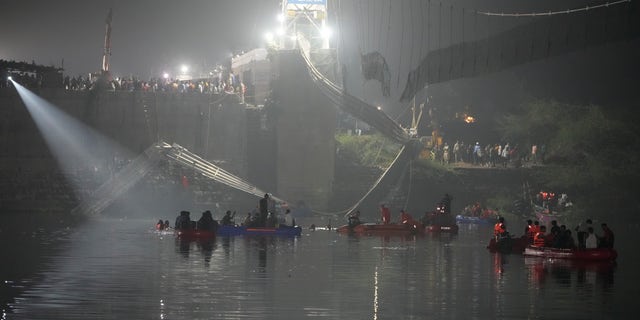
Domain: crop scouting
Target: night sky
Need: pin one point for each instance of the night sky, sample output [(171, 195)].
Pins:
[(148, 37)]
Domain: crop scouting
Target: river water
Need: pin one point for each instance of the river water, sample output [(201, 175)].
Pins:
[(122, 269)]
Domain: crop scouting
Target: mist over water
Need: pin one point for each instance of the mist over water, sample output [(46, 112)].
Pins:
[(119, 268)]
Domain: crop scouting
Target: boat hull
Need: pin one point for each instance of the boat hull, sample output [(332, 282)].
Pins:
[(434, 228), (508, 245), (600, 254), (475, 220), (379, 229), (195, 234), (241, 230)]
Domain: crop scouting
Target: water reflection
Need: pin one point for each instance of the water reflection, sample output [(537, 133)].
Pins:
[(571, 273), (320, 274)]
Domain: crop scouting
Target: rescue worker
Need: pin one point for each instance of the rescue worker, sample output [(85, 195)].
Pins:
[(590, 241), (227, 220), (499, 229), (540, 238), (183, 221), (354, 218), (385, 214), (607, 239), (206, 222)]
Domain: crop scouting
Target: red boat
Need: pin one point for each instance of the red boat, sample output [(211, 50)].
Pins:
[(380, 229), (195, 234), (435, 228), (508, 244), (598, 254)]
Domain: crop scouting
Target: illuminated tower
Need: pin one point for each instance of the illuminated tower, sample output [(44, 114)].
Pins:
[(107, 44)]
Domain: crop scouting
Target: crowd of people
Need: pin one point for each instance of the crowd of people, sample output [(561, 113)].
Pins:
[(488, 155), (214, 85), (559, 236)]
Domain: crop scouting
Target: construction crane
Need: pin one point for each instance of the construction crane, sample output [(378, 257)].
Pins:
[(107, 45)]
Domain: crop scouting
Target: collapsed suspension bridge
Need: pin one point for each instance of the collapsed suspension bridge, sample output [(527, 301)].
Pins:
[(477, 52)]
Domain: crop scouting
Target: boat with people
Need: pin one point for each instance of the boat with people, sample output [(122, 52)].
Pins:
[(593, 254), (440, 220), (476, 214), (476, 220), (234, 230)]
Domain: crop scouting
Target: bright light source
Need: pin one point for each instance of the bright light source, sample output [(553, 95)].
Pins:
[(74, 144), (280, 32), (9, 78), (280, 17), (184, 68), (268, 36), (379, 108), (325, 32), (165, 75)]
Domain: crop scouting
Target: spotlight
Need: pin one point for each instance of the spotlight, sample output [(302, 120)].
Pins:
[(9, 78)]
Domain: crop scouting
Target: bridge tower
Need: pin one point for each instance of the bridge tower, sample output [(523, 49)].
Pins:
[(300, 120)]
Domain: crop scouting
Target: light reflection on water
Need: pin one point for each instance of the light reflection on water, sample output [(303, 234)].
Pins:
[(121, 269)]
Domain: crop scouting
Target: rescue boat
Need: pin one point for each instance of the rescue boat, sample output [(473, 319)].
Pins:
[(380, 229), (194, 234), (508, 244), (476, 220), (435, 228), (242, 230)]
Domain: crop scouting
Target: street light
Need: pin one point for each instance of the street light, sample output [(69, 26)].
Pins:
[(184, 68)]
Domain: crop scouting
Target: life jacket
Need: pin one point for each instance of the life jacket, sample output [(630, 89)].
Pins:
[(497, 229), (534, 230), (539, 240)]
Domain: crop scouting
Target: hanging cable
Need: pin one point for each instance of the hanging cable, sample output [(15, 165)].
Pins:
[(552, 13), (401, 44)]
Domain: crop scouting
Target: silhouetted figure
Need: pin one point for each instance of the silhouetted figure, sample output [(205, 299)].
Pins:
[(227, 220), (183, 221), (263, 205), (207, 223)]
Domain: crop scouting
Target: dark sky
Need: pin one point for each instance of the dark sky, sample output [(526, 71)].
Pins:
[(148, 37)]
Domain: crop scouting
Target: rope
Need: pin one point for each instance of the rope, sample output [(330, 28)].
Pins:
[(552, 13), (401, 42), (355, 206), (406, 202)]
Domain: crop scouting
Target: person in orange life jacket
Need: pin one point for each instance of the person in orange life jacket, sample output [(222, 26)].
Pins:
[(406, 218), (385, 214), (528, 231), (535, 228), (540, 239), (499, 229)]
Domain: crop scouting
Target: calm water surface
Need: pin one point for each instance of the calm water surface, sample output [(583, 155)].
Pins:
[(120, 269)]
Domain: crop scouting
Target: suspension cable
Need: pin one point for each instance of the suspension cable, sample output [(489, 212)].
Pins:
[(552, 13)]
